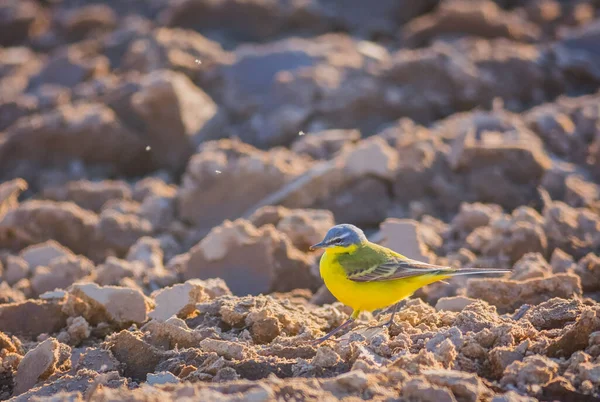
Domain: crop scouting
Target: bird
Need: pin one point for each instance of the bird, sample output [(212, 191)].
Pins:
[(367, 276)]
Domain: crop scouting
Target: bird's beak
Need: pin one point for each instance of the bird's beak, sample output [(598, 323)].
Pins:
[(317, 246)]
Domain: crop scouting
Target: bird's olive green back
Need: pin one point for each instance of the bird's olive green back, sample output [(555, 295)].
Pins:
[(372, 263)]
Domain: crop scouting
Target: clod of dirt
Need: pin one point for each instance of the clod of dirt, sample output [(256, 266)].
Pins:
[(463, 18), (507, 295), (226, 349), (531, 265), (15, 270), (555, 313), (90, 195), (533, 371), (205, 195), (576, 337), (305, 227), (139, 357), (168, 102), (405, 236), (574, 230), (71, 66), (510, 236), (91, 19), (99, 360), (115, 305), (9, 194), (268, 259), (43, 317), (178, 300), (373, 157), (61, 273), (561, 262), (44, 253), (588, 268), (173, 333), (265, 317), (117, 232), (88, 132), (34, 222), (10, 345), (455, 303), (160, 378), (114, 270), (40, 363), (325, 144)]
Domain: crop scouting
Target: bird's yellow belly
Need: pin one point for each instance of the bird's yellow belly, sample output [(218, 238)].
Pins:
[(368, 296)]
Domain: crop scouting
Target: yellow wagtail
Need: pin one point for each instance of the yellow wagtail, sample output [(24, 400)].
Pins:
[(368, 277)]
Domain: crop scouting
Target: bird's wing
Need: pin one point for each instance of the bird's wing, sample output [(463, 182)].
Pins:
[(376, 264)]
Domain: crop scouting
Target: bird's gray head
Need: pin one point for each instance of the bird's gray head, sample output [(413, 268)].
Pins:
[(341, 236)]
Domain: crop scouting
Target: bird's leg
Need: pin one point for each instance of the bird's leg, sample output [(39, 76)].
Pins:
[(338, 329), (394, 309), (388, 323), (335, 331)]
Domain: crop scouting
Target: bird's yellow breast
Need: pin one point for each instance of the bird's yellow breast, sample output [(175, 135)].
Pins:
[(367, 296)]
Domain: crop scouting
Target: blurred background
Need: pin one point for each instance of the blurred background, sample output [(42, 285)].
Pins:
[(159, 120)]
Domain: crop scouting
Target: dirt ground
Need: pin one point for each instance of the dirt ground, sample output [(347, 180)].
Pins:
[(165, 166)]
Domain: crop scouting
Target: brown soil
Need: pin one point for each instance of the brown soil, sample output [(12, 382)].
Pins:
[(165, 166)]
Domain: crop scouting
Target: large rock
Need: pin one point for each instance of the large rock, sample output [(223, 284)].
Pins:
[(40, 363), (250, 260), (272, 88), (175, 49), (16, 20), (459, 18), (32, 318), (258, 20), (514, 159), (254, 20), (172, 112), (60, 273), (577, 52), (70, 67), (15, 270), (18, 64), (34, 222), (90, 133), (574, 230), (139, 357), (588, 269), (468, 73), (405, 237), (118, 232), (88, 194), (356, 193), (304, 227), (44, 253), (87, 20), (509, 237), (493, 157), (225, 168), (508, 295)]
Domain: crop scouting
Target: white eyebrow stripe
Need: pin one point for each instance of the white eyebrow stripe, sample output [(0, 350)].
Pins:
[(342, 237)]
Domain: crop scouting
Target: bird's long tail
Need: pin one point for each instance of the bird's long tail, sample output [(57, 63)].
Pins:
[(474, 271)]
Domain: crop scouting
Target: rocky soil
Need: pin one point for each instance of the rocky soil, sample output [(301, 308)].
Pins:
[(165, 165)]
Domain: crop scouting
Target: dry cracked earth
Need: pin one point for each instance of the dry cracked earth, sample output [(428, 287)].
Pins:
[(165, 165)]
